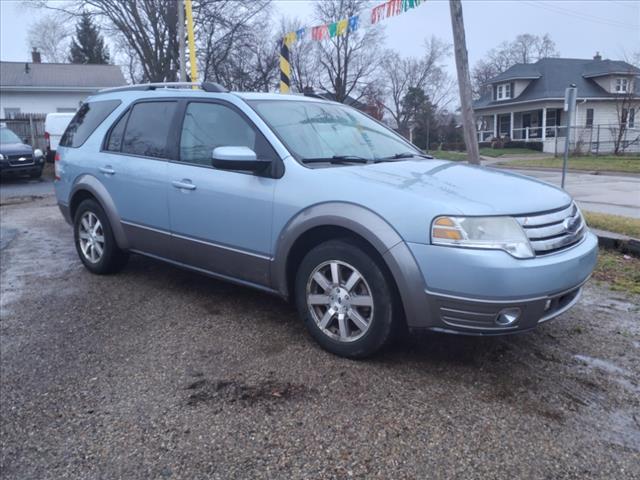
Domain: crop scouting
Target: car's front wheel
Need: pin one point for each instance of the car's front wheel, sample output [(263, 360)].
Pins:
[(345, 299), (95, 243)]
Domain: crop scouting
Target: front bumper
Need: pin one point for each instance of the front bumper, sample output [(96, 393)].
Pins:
[(465, 290)]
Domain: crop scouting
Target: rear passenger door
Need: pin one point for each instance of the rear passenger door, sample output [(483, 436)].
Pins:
[(220, 219), (134, 169)]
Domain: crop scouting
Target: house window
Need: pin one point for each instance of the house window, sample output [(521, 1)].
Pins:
[(65, 110), (503, 91), (553, 117), (589, 117), (622, 85)]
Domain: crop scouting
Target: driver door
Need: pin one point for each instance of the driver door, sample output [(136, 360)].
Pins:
[(220, 219)]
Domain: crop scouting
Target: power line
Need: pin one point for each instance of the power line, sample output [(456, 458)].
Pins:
[(582, 16)]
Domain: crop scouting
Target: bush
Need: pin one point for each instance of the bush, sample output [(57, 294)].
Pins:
[(520, 144)]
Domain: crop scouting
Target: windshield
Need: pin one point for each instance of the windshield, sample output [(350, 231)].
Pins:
[(316, 130), (7, 136)]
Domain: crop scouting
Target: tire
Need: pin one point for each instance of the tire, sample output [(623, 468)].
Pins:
[(36, 173), (99, 252), (345, 334)]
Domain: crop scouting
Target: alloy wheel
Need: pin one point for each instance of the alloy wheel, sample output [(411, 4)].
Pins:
[(340, 301), (91, 237)]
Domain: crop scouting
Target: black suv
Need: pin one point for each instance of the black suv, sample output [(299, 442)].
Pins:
[(18, 158)]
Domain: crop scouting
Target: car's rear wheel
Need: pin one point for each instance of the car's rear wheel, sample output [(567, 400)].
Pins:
[(95, 243), (345, 299)]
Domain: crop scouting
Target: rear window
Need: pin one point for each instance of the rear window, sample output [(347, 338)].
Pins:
[(86, 120), (147, 129)]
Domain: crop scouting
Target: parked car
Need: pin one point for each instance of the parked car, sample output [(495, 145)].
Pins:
[(316, 202), (17, 157), (54, 126)]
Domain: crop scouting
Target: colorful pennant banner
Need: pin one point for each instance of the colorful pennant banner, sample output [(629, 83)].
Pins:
[(388, 9)]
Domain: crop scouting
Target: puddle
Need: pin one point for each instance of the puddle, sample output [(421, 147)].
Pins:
[(618, 374)]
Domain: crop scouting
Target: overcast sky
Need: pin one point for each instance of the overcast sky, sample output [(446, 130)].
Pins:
[(579, 27)]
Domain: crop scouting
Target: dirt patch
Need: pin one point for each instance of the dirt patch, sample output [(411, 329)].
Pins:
[(247, 394)]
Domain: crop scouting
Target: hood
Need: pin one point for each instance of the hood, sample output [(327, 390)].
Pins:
[(15, 149), (461, 188)]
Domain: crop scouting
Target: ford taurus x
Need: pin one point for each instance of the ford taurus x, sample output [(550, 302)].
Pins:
[(316, 202)]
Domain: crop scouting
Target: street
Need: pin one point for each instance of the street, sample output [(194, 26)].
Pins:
[(162, 373)]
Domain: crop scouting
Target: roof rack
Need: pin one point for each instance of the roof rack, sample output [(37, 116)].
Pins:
[(206, 86)]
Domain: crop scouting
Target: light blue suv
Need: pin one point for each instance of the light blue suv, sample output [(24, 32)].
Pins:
[(316, 202)]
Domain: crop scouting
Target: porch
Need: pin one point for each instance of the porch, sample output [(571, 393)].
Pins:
[(526, 125)]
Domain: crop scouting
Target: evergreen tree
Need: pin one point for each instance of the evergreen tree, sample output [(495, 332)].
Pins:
[(88, 45)]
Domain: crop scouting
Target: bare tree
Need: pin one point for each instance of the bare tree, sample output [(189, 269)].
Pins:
[(427, 74), (526, 48), (349, 61), (50, 37), (239, 51), (148, 27), (627, 107)]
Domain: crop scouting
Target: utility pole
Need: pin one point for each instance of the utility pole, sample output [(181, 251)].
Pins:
[(569, 107), (183, 60), (464, 81)]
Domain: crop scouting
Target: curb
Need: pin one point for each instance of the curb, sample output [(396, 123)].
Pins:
[(610, 173), (615, 241)]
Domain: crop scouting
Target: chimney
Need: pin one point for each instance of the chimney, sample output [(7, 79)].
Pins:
[(597, 56), (35, 56)]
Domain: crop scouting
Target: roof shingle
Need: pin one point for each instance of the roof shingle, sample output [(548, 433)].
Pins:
[(555, 75), (60, 75)]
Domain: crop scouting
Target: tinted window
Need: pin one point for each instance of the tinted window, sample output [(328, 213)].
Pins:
[(114, 143), (86, 120), (210, 125), (148, 129)]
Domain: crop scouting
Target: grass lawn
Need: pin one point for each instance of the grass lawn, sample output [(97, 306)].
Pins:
[(614, 223), (501, 152), (449, 155), (621, 272), (611, 163), (486, 152)]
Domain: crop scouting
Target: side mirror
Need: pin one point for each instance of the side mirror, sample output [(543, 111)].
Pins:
[(26, 141), (237, 158)]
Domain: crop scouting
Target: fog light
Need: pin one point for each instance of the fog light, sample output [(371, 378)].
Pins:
[(508, 316), (547, 305)]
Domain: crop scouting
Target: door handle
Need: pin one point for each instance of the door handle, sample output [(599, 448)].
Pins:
[(107, 170), (184, 184)]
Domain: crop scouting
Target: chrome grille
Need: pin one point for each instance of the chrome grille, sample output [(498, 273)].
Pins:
[(553, 231), (14, 160)]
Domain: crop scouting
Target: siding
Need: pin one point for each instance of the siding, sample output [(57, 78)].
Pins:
[(40, 102)]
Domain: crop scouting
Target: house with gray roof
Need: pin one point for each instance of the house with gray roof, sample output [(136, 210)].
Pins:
[(525, 103), (36, 87)]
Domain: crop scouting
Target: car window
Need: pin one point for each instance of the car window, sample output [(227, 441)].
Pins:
[(148, 129), (210, 125), (88, 117), (322, 130), (7, 136), (114, 142)]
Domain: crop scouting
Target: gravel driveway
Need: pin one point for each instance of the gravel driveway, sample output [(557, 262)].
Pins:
[(162, 373)]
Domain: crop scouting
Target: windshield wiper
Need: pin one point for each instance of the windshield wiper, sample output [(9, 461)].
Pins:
[(400, 156), (336, 159)]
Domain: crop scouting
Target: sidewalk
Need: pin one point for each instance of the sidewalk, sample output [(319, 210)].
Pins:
[(614, 194)]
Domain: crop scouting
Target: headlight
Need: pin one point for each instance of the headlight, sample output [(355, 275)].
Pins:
[(492, 233), (1, 156), (37, 153)]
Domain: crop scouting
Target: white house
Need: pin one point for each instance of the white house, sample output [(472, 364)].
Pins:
[(525, 103), (51, 87)]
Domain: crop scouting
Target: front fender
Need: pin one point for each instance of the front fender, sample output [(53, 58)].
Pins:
[(91, 184), (368, 225)]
